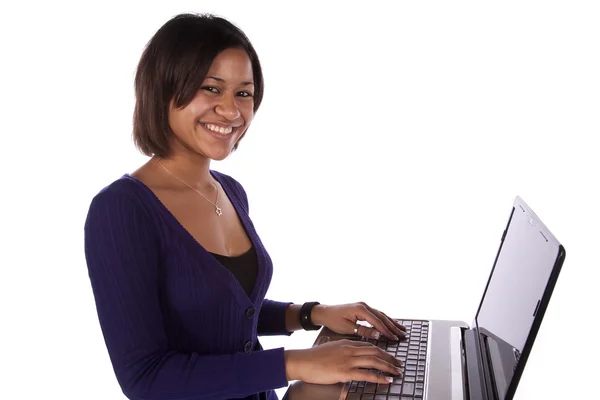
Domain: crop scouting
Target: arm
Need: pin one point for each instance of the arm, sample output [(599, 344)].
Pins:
[(278, 318), (122, 253), (273, 318)]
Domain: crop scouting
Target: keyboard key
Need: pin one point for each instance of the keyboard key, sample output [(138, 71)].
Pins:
[(395, 389), (408, 388), (353, 396), (370, 387), (382, 388)]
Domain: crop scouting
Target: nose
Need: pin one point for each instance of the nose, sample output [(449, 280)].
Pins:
[(228, 107)]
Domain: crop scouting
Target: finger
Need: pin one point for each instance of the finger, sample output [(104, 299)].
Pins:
[(377, 352), (395, 322), (386, 321), (366, 315), (394, 326), (351, 326), (376, 363), (360, 375), (367, 332)]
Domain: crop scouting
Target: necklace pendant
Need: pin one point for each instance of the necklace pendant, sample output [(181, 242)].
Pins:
[(218, 211)]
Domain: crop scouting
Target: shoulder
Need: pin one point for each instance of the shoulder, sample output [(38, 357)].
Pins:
[(124, 198), (120, 225)]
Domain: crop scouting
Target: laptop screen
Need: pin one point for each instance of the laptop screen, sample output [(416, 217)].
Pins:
[(516, 293)]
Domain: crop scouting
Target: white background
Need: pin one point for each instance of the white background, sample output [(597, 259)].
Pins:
[(381, 166)]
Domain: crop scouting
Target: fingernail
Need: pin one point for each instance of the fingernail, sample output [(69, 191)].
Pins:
[(375, 335), (389, 379), (398, 369), (396, 338)]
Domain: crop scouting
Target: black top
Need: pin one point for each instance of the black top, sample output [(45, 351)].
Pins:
[(243, 267)]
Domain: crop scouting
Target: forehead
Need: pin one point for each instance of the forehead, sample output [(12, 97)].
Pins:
[(232, 65)]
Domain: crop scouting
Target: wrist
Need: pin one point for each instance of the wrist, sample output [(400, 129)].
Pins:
[(291, 359), (318, 314), (292, 318)]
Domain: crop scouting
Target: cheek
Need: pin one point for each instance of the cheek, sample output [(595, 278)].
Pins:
[(247, 113), (193, 110), (200, 105)]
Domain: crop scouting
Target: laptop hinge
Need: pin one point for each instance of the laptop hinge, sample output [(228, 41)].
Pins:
[(458, 376), (475, 379)]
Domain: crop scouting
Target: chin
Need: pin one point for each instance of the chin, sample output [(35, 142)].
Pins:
[(219, 158), (218, 155)]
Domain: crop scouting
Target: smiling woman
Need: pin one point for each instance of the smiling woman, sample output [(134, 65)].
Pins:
[(218, 116), (179, 273)]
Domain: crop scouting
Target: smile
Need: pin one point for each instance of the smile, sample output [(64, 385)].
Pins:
[(218, 129)]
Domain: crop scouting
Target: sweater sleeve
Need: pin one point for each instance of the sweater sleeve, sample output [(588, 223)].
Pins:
[(122, 254), (271, 320)]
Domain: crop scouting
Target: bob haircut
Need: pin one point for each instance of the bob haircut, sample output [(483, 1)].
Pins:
[(172, 68)]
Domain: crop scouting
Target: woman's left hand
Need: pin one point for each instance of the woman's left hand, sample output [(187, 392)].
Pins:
[(343, 319)]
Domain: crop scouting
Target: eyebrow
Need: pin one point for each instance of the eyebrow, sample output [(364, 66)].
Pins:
[(245, 83)]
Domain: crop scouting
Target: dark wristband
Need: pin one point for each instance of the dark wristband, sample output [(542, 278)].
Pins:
[(305, 318)]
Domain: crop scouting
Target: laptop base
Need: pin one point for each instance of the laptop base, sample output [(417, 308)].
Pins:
[(444, 374)]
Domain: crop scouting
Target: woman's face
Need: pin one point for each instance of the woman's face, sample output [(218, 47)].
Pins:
[(220, 112)]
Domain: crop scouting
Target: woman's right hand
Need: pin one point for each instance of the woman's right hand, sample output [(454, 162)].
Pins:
[(340, 361)]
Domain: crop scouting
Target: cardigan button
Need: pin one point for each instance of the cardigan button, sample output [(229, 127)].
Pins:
[(248, 346), (250, 312)]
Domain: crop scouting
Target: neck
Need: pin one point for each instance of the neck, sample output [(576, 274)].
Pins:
[(194, 171)]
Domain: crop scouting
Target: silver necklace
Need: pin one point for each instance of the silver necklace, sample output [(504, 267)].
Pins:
[(217, 208)]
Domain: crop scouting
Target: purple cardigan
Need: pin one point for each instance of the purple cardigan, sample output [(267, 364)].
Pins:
[(177, 324)]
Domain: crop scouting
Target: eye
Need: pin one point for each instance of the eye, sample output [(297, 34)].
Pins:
[(245, 94), (211, 89)]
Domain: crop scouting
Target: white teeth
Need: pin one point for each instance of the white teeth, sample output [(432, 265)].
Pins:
[(218, 129)]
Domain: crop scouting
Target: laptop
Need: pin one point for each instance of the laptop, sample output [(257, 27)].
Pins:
[(452, 360)]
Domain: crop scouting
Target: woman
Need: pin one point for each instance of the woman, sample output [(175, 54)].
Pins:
[(178, 272)]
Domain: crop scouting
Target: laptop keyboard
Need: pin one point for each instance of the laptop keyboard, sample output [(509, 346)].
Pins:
[(412, 353)]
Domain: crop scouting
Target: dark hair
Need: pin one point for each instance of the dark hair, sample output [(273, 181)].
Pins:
[(173, 66)]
